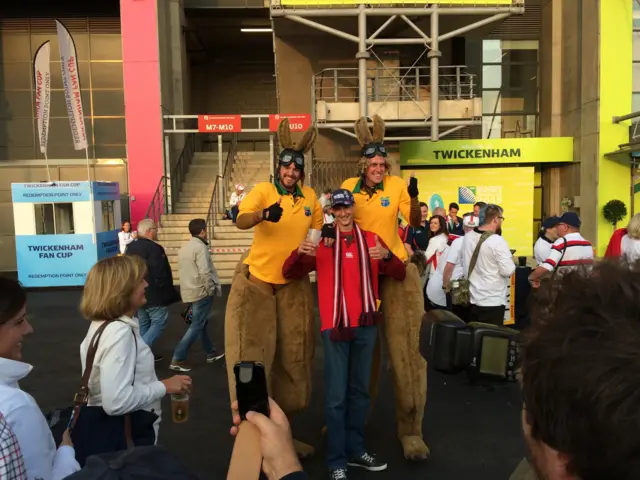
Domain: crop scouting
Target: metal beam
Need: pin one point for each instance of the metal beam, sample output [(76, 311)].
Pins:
[(405, 124), (362, 56), (434, 56), (473, 26), (626, 117), (385, 25), (451, 130), (397, 41), (324, 28), (384, 12), (345, 132), (415, 28)]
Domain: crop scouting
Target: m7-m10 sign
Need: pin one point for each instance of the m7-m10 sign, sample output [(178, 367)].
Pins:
[(219, 123)]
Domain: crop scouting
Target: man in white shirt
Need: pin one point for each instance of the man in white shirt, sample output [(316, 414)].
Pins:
[(568, 252), (488, 281), (453, 268), (548, 235)]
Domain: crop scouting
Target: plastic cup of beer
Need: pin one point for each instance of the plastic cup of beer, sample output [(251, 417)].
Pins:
[(180, 407), (314, 235)]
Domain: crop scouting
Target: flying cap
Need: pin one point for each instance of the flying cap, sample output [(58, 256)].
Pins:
[(470, 221), (342, 197), (571, 218), (550, 222)]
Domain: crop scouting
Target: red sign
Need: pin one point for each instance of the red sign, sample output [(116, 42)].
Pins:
[(219, 123), (298, 123)]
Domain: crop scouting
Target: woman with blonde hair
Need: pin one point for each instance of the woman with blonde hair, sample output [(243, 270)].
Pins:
[(625, 242), (123, 378)]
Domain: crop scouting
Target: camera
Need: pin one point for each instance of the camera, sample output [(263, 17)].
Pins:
[(483, 350)]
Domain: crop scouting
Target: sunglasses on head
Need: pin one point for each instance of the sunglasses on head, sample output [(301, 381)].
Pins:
[(374, 149), (287, 157)]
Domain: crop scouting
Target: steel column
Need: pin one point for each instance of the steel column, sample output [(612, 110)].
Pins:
[(221, 176), (415, 28), (362, 56), (434, 55), (167, 174), (459, 31), (272, 161), (382, 27)]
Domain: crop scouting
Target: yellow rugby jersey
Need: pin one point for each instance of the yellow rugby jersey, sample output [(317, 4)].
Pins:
[(274, 242), (379, 213)]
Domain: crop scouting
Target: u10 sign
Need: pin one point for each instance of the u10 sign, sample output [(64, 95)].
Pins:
[(297, 122), (219, 123)]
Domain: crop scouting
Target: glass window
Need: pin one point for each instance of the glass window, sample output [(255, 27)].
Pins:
[(108, 219), (106, 75), (15, 47), (108, 103), (109, 131), (54, 218), (106, 47)]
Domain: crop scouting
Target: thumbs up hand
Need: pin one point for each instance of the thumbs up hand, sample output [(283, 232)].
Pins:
[(273, 213), (378, 252)]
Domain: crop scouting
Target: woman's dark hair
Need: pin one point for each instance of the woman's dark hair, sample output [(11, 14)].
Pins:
[(443, 225), (12, 299), (122, 227)]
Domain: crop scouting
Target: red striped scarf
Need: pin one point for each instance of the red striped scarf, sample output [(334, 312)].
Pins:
[(342, 324)]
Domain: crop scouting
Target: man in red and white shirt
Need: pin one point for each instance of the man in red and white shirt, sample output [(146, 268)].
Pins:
[(568, 252), (347, 276)]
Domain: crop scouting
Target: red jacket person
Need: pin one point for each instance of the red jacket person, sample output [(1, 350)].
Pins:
[(347, 274)]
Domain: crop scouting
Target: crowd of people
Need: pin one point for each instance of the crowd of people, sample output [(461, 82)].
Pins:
[(374, 282)]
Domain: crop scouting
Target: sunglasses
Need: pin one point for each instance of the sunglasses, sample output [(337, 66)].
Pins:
[(287, 157), (373, 150)]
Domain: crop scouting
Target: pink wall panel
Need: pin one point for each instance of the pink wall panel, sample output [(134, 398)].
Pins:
[(141, 66)]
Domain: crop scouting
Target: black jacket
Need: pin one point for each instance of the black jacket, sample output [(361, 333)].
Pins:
[(160, 291)]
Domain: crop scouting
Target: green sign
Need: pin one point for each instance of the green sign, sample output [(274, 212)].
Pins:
[(487, 151)]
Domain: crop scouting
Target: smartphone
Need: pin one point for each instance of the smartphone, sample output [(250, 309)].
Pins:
[(251, 388)]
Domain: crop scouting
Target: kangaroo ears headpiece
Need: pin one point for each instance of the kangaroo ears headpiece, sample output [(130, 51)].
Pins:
[(304, 145), (366, 136), (371, 142)]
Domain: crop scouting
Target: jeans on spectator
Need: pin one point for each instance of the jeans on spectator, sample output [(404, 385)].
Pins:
[(492, 315), (234, 213), (347, 370), (152, 320), (198, 328)]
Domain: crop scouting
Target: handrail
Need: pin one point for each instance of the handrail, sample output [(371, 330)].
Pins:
[(394, 83), (179, 172), (222, 181), (158, 204)]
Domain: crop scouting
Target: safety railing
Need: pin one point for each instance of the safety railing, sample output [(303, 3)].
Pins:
[(330, 173), (179, 171), (216, 203), (394, 84), (158, 205)]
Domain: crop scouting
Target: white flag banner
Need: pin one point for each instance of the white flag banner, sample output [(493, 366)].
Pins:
[(71, 83), (42, 82)]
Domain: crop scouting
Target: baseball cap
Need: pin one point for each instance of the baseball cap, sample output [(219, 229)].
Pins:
[(239, 186), (342, 197), (550, 222), (571, 218), (470, 221)]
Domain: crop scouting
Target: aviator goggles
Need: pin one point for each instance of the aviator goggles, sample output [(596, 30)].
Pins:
[(287, 157), (374, 149)]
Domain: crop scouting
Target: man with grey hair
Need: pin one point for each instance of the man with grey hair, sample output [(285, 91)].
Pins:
[(160, 291)]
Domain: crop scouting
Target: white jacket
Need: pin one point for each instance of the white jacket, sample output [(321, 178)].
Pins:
[(41, 458), (198, 277), (112, 384)]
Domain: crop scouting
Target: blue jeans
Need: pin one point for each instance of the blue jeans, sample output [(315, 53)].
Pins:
[(198, 328), (152, 323), (347, 370)]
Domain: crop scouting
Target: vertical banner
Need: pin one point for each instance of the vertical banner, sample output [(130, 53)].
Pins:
[(42, 82), (71, 83)]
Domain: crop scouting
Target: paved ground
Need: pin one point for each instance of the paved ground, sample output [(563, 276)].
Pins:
[(473, 432)]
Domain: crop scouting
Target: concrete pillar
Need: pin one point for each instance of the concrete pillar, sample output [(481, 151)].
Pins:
[(141, 71)]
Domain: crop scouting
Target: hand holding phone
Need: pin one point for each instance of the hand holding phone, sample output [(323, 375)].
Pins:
[(251, 388)]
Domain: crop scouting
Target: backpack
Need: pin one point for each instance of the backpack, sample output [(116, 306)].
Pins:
[(459, 289)]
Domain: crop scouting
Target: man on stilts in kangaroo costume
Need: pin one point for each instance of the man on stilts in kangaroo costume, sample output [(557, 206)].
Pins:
[(268, 318), (379, 198)]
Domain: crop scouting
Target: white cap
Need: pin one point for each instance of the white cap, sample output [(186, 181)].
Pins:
[(470, 221), (239, 186)]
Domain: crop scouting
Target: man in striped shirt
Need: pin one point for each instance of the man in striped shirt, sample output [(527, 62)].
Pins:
[(568, 252)]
